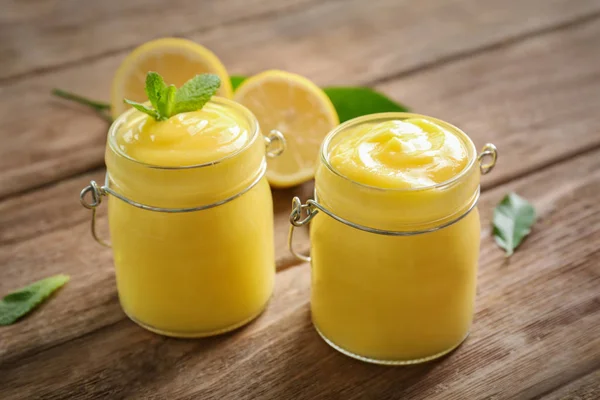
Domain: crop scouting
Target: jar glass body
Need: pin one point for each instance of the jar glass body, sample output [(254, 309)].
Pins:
[(199, 273), (394, 299)]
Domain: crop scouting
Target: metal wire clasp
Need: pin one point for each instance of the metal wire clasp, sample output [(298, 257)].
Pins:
[(489, 150), (275, 142), (96, 199), (97, 192), (312, 208), (296, 220)]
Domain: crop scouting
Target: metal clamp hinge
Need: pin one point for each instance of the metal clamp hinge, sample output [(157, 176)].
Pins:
[(97, 192), (275, 143), (488, 151)]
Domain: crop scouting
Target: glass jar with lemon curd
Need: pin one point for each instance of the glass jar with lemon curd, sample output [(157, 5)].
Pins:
[(190, 217), (394, 237)]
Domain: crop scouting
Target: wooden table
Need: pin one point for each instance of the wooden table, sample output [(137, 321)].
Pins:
[(524, 75)]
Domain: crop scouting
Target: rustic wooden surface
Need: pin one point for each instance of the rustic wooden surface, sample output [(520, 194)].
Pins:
[(522, 74)]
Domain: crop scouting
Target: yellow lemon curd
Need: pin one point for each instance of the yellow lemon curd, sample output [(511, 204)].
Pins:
[(197, 273), (395, 299)]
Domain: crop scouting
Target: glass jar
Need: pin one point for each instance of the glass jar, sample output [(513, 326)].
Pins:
[(393, 270), (192, 245)]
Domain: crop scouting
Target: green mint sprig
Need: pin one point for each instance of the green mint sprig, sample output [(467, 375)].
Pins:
[(167, 100), (21, 302)]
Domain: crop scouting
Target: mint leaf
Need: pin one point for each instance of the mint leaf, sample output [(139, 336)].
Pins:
[(352, 102), (236, 80), (165, 104), (168, 100), (513, 218), (19, 303), (160, 95), (143, 108), (195, 93), (155, 87)]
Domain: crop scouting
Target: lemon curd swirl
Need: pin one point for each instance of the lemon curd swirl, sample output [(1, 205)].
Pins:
[(412, 153), (186, 139)]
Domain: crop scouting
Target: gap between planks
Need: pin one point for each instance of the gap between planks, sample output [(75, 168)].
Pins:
[(585, 387), (507, 42), (585, 377)]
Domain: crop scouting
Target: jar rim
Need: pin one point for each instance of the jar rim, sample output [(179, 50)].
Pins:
[(472, 152), (245, 112)]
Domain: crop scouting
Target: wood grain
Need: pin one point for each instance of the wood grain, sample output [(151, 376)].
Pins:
[(584, 388), (41, 35), (63, 140), (535, 328)]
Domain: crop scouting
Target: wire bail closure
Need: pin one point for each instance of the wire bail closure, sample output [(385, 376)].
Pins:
[(96, 196), (97, 192), (275, 144), (312, 208), (296, 220), (489, 150)]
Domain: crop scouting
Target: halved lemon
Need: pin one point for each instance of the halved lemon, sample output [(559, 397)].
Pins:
[(177, 60), (300, 110)]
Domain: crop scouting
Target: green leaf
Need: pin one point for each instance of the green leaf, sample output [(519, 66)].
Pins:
[(155, 89), (352, 102), (144, 108), (236, 80), (167, 102), (513, 218), (195, 93), (21, 302)]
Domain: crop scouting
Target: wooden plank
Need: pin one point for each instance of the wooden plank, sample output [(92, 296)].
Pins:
[(535, 328), (62, 140), (584, 388), (39, 36)]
